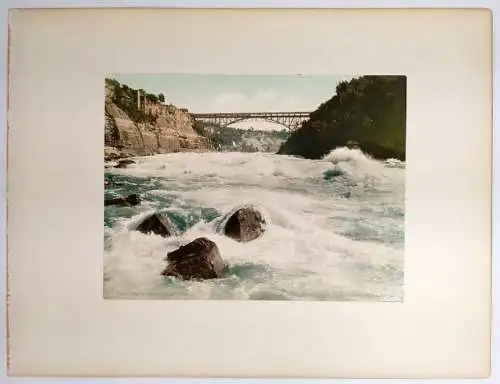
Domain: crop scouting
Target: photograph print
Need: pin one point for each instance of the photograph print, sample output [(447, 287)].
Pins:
[(246, 187)]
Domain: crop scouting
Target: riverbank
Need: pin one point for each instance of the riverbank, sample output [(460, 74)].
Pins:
[(368, 112)]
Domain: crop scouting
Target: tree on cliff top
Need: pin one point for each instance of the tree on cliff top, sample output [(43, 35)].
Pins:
[(126, 99), (151, 97), (369, 110)]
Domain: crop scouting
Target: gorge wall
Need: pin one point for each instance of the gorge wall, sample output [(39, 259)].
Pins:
[(137, 123), (368, 112)]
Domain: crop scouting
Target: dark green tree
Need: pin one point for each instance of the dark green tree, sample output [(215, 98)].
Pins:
[(126, 99), (369, 111)]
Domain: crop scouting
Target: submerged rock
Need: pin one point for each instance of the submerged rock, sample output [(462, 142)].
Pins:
[(111, 154), (130, 200), (157, 224), (124, 163), (246, 224), (351, 144), (200, 260)]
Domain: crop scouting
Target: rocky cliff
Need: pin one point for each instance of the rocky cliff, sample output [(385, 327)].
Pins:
[(368, 112), (137, 125)]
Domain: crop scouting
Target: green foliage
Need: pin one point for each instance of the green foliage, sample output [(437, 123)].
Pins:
[(151, 97), (126, 99), (283, 135), (161, 97), (199, 128), (220, 137), (368, 112), (233, 139)]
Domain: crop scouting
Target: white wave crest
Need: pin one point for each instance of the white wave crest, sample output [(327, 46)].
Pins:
[(317, 245)]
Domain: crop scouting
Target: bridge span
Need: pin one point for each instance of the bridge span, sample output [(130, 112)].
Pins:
[(290, 120)]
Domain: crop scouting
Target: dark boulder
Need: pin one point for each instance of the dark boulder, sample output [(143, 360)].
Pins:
[(351, 144), (245, 224), (112, 157), (157, 224), (130, 200), (198, 260), (124, 163)]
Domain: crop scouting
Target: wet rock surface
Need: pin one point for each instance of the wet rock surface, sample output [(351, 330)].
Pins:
[(131, 200), (157, 224), (199, 260), (246, 224)]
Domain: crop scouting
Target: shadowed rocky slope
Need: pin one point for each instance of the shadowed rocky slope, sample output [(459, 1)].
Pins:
[(368, 112)]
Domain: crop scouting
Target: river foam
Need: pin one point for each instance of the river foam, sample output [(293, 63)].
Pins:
[(335, 226)]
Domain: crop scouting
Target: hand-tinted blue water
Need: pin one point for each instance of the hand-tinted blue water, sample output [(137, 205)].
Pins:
[(335, 227)]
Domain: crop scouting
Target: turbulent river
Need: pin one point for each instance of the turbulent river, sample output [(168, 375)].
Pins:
[(335, 226)]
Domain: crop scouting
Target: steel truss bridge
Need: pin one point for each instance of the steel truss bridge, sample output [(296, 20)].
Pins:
[(290, 120)]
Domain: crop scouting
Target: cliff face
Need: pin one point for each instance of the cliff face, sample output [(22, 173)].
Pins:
[(144, 127), (368, 112)]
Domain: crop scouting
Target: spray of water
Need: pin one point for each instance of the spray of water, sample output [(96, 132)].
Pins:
[(335, 226)]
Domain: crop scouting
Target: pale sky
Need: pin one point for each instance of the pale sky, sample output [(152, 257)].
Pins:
[(239, 93)]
